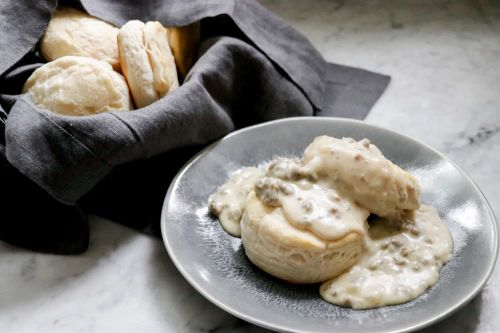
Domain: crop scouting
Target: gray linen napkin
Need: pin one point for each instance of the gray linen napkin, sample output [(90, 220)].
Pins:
[(252, 67)]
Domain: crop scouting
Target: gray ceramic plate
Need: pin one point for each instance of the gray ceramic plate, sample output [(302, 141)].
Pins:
[(215, 263)]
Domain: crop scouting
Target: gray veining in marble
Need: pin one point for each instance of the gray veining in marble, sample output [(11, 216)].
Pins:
[(444, 59)]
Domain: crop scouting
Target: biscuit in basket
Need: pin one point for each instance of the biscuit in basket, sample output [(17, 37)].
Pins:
[(184, 42), (146, 61), (73, 32), (78, 86)]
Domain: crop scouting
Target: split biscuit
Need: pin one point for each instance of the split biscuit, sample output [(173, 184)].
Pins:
[(147, 61)]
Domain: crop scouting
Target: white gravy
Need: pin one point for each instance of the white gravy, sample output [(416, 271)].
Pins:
[(315, 208)]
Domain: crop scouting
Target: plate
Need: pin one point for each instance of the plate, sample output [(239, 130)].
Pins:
[(215, 263)]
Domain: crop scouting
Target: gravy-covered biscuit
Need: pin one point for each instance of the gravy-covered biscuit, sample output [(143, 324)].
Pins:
[(358, 170), (290, 226), (147, 61), (184, 42), (78, 86), (75, 33), (293, 254)]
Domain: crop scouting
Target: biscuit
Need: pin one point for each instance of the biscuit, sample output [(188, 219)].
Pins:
[(292, 254), (78, 86), (75, 33), (184, 42), (358, 170), (146, 61)]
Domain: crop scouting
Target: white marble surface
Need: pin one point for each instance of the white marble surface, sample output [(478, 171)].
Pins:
[(444, 59)]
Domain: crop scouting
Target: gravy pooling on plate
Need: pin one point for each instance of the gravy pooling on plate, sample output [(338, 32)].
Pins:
[(401, 260), (228, 202), (305, 221)]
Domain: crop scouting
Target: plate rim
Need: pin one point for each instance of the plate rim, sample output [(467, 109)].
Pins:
[(262, 323)]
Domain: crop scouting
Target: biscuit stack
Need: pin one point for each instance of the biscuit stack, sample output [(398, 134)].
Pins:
[(86, 56)]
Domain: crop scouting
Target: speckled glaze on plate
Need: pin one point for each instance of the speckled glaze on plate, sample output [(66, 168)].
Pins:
[(215, 263)]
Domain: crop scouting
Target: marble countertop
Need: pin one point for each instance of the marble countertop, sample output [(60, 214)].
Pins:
[(444, 59)]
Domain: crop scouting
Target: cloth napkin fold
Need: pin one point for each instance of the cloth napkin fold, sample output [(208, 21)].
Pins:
[(252, 67)]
